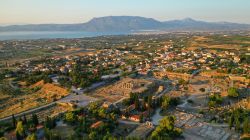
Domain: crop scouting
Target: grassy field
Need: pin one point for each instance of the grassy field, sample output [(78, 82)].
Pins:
[(16, 103), (219, 42), (19, 55)]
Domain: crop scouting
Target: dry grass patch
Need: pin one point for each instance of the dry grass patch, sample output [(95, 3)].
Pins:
[(48, 93)]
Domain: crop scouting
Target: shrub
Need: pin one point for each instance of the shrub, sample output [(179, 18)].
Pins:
[(233, 92)]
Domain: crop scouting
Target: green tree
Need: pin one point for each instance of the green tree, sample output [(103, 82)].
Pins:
[(211, 104), (18, 136), (50, 123), (182, 82), (70, 117), (47, 133), (32, 137), (20, 129), (84, 124), (246, 126), (132, 138), (150, 103), (232, 92), (108, 136), (51, 136), (137, 102), (35, 119), (93, 108), (166, 129), (165, 102), (231, 121), (102, 112), (1, 133), (13, 120), (93, 135), (84, 83), (141, 118), (131, 97), (215, 100), (24, 120), (237, 124), (202, 89)]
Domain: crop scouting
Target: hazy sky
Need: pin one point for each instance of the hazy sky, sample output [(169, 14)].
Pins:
[(78, 11)]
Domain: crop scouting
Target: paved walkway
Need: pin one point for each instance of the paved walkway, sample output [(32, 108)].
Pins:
[(195, 126), (157, 117)]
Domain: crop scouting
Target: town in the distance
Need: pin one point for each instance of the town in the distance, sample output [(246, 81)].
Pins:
[(176, 85)]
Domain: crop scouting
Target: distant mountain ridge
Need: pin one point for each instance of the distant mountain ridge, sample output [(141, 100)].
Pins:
[(130, 23)]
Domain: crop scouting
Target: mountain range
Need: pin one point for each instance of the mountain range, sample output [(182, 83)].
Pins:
[(131, 23)]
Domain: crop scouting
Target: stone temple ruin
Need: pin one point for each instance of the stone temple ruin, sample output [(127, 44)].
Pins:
[(135, 85), (124, 87)]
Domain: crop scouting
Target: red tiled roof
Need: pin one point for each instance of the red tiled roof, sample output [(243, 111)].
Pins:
[(96, 125), (137, 117)]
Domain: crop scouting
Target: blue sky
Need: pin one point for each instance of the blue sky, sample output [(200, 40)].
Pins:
[(77, 11)]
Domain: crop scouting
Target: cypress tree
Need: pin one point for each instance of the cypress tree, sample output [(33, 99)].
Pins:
[(18, 136), (246, 126), (35, 119), (24, 119), (20, 132), (13, 120)]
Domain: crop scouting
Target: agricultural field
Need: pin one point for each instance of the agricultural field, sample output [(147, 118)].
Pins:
[(219, 42)]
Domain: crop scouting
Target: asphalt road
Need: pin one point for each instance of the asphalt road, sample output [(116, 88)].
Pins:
[(156, 117)]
